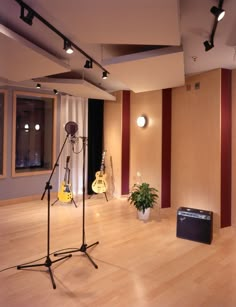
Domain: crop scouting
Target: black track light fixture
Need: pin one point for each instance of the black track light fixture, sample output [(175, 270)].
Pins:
[(208, 45), (67, 47), (38, 85), (104, 75), (88, 64), (27, 15), (218, 12), (55, 92)]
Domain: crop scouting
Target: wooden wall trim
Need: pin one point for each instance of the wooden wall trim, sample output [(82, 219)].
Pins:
[(13, 163), (125, 154), (13, 201), (226, 145), (5, 142), (166, 149)]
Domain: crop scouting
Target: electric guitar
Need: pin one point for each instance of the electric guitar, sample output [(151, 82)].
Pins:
[(100, 185), (65, 194)]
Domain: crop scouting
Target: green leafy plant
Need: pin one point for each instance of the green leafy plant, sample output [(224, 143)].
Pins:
[(143, 196)]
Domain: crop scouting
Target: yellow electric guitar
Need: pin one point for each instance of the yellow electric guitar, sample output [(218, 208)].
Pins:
[(65, 194), (100, 185)]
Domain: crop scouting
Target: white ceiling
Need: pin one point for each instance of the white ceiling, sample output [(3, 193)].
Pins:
[(142, 69), (75, 87), (117, 22), (120, 35), (18, 58)]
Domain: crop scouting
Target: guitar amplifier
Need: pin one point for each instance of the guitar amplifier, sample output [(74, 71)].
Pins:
[(194, 224)]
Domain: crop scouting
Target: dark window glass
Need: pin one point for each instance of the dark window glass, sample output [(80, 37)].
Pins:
[(34, 133)]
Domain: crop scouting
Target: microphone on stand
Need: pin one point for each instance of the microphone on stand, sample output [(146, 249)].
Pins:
[(71, 129), (74, 139)]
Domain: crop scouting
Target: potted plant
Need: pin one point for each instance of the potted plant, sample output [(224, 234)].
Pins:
[(143, 197)]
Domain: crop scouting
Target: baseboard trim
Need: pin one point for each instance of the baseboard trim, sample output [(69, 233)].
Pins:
[(13, 201)]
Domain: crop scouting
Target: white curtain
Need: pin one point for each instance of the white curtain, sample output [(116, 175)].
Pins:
[(73, 109)]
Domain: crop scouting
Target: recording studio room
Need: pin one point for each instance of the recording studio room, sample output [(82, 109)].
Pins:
[(117, 153)]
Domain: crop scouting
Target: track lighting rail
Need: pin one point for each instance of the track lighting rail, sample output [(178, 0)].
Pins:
[(32, 13)]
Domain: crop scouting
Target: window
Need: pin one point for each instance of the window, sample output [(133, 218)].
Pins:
[(33, 133), (3, 129)]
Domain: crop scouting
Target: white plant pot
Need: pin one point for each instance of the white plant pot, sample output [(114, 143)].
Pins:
[(144, 216)]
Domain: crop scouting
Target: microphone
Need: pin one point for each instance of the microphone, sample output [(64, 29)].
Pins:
[(74, 139), (71, 128)]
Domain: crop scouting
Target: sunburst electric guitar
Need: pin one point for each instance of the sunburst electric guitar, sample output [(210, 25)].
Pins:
[(100, 184), (65, 194)]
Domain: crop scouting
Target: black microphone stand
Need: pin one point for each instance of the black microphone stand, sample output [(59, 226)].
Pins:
[(84, 246), (48, 261)]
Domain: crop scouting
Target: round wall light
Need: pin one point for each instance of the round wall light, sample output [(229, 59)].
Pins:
[(37, 127), (142, 121)]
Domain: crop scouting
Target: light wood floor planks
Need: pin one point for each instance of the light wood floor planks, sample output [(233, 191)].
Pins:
[(139, 264)]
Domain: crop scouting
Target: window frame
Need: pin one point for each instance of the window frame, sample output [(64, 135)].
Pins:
[(4, 161), (54, 133)]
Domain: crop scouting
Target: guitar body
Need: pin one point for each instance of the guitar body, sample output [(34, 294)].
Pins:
[(65, 194), (99, 185)]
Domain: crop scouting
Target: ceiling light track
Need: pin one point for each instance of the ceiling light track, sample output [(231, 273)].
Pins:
[(219, 14), (27, 15)]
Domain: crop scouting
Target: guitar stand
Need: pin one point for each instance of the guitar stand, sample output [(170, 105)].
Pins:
[(105, 196), (97, 193), (72, 201)]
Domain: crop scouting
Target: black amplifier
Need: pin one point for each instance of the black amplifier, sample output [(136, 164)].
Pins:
[(194, 224)]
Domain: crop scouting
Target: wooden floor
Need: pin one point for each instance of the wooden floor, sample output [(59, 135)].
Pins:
[(139, 264)]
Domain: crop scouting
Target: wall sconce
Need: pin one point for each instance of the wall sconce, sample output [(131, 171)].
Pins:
[(37, 127), (142, 121), (26, 127)]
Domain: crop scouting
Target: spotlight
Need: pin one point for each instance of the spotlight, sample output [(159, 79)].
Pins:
[(67, 47), (218, 12), (38, 85), (27, 18), (104, 75), (208, 45), (88, 64), (55, 91)]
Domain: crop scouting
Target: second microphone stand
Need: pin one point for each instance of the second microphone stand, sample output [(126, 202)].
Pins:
[(83, 248), (48, 261)]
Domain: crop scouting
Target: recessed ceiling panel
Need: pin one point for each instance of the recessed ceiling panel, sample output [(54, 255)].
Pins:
[(151, 70), (75, 87), (146, 22), (21, 60)]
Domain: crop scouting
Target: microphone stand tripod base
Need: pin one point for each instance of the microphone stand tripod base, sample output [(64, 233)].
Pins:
[(82, 249), (48, 264)]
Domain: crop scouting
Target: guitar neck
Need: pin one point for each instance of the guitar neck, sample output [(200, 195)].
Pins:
[(102, 168), (67, 171)]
